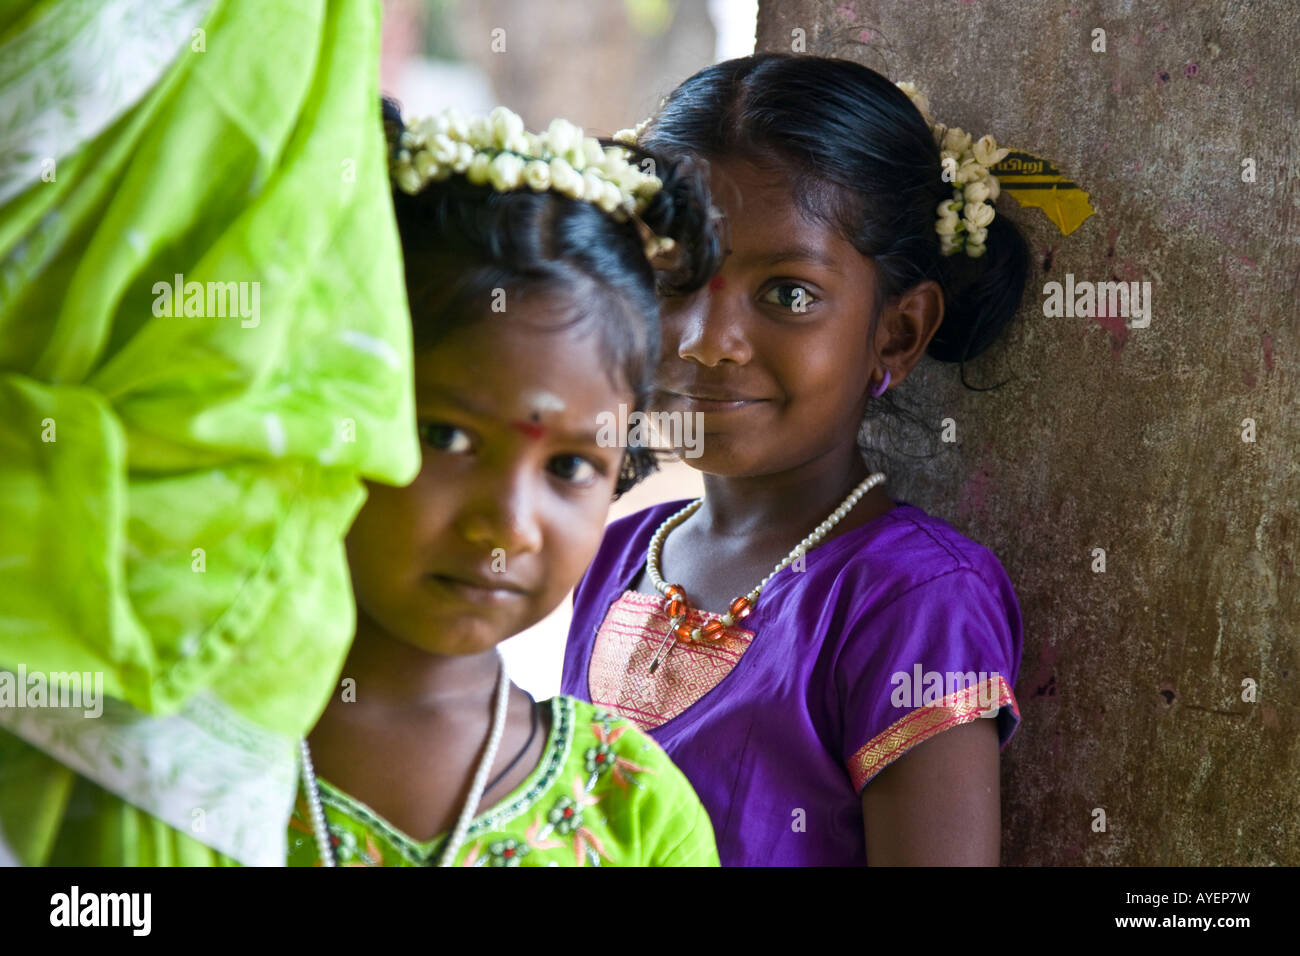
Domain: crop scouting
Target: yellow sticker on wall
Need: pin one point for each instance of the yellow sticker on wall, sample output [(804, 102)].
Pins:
[(1034, 181)]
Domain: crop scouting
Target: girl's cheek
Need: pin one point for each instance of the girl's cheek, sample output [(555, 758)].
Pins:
[(577, 538)]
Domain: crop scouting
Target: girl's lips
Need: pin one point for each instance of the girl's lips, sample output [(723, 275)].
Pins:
[(714, 401), (475, 592)]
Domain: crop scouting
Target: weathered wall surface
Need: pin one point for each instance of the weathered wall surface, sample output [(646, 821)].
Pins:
[(1130, 439)]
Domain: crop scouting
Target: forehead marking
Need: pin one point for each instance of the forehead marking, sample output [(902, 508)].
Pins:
[(538, 402), (531, 429)]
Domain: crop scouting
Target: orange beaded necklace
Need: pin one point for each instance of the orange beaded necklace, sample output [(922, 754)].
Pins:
[(676, 605)]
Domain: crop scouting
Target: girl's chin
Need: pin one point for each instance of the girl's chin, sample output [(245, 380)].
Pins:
[(722, 462), (459, 644), (457, 636)]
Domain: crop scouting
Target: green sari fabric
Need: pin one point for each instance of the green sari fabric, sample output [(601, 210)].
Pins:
[(603, 794), (178, 471)]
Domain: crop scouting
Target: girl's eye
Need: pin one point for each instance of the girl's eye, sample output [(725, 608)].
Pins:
[(789, 295), (447, 438), (573, 468)]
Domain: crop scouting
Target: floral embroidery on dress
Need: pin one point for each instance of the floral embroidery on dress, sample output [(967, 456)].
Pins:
[(510, 850), (347, 852), (507, 852), (585, 843), (537, 836), (346, 848), (601, 759), (578, 773), (565, 818), (603, 718)]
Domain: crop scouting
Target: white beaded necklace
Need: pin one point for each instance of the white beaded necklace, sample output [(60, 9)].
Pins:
[(458, 834), (676, 605)]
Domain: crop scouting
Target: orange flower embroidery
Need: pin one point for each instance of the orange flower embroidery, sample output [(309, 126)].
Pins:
[(601, 759), (545, 843), (585, 843)]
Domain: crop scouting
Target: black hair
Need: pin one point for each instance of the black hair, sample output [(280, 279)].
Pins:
[(461, 242), (830, 122)]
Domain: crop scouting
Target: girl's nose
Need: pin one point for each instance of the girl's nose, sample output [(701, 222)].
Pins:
[(709, 329), (503, 514)]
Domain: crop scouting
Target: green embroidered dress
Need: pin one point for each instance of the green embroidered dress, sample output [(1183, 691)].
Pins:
[(603, 794)]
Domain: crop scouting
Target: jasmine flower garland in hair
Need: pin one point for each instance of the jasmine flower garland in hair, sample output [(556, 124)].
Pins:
[(967, 164), (497, 149)]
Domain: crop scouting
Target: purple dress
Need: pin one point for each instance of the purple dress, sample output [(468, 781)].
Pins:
[(892, 633)]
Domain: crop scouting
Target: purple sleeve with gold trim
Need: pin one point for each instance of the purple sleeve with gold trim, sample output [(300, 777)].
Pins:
[(944, 653)]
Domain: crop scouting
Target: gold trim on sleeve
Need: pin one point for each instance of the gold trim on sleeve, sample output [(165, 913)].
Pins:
[(960, 707)]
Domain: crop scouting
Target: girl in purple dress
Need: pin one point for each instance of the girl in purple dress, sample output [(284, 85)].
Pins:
[(815, 656)]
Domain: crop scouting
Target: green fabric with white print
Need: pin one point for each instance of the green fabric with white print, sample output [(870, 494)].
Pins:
[(177, 486)]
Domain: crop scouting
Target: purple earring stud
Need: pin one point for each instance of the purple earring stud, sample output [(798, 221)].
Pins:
[(880, 389)]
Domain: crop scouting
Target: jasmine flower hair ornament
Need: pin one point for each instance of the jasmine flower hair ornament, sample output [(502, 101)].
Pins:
[(968, 167), (496, 149)]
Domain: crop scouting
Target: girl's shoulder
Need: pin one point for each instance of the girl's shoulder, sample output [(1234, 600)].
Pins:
[(927, 542), (904, 549), (924, 633), (906, 587)]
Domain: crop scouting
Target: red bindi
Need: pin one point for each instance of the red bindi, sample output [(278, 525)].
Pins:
[(531, 429), (717, 283)]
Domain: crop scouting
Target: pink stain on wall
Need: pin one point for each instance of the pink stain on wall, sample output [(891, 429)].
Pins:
[(1128, 271), (1114, 324), (1268, 352)]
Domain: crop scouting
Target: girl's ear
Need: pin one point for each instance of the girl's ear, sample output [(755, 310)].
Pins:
[(906, 327)]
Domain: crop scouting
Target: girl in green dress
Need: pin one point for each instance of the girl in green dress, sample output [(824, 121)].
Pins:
[(531, 268)]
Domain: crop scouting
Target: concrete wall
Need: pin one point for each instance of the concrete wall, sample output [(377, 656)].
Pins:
[(1127, 439)]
